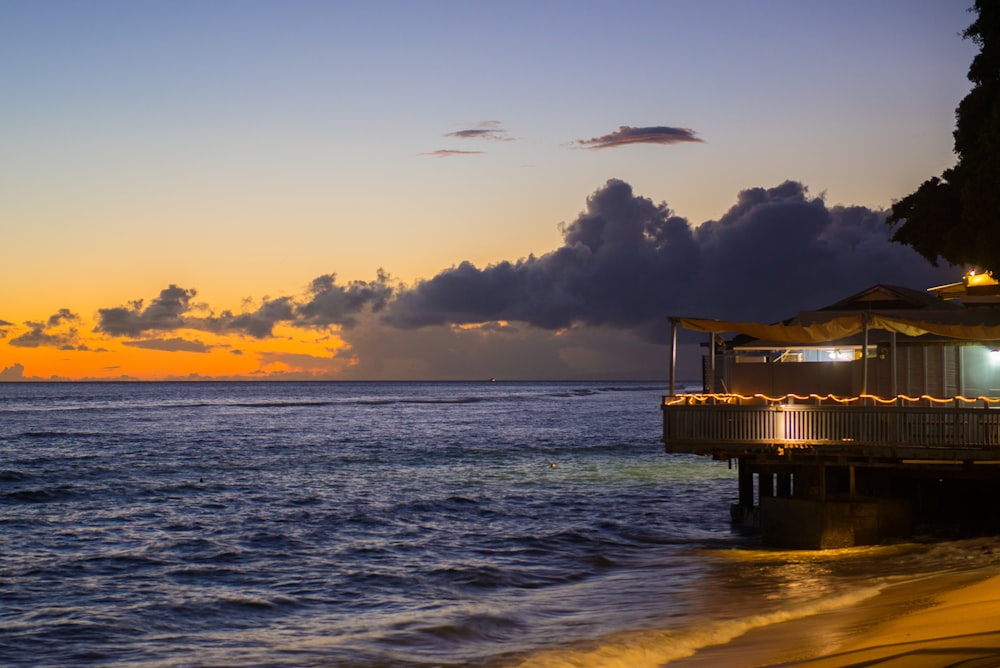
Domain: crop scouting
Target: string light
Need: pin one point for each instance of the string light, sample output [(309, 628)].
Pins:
[(692, 399)]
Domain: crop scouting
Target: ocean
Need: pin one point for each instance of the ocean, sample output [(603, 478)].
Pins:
[(386, 524)]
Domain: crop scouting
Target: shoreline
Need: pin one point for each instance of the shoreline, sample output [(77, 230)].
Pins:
[(938, 620)]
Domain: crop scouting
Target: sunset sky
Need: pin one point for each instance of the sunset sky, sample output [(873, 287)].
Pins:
[(450, 190)]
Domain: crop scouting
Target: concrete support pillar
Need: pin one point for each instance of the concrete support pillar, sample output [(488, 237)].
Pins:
[(745, 483), (765, 484), (784, 484)]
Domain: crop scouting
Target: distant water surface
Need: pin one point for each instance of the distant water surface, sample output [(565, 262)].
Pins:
[(381, 524)]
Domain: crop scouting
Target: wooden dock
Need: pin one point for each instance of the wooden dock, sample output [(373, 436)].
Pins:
[(817, 472)]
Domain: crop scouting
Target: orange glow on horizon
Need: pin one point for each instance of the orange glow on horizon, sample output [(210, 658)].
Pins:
[(201, 355)]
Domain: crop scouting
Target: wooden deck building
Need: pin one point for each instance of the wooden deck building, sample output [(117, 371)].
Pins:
[(857, 422)]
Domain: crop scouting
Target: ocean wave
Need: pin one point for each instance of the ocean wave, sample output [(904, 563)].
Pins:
[(336, 520), (11, 475), (55, 494), (659, 647), (44, 434), (473, 628)]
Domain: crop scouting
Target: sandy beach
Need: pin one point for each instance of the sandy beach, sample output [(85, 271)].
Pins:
[(943, 620)]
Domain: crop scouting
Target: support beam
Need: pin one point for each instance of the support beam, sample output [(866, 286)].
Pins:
[(711, 363), (673, 354), (892, 364), (864, 354)]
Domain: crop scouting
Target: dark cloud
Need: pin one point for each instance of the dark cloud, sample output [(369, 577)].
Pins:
[(448, 153), (63, 315), (165, 313), (491, 130), (258, 324), (627, 263), (37, 337), (325, 304), (13, 372), (39, 334), (300, 366), (332, 304), (496, 350), (170, 345), (626, 135), (595, 307)]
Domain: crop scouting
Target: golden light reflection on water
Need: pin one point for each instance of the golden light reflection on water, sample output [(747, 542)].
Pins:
[(750, 589), (658, 647)]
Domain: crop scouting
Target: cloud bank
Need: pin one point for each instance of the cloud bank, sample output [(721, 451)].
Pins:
[(628, 263), (325, 304), (594, 307)]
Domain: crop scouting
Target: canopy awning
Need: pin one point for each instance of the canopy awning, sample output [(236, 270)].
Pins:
[(840, 327)]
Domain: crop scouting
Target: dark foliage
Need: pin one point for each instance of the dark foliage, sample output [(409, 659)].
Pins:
[(956, 217)]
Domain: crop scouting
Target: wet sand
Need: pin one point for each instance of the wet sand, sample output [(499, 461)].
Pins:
[(944, 620)]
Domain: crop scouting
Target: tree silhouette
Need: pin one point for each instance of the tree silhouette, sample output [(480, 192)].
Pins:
[(956, 217)]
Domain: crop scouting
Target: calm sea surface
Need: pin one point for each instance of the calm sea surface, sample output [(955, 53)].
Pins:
[(383, 524)]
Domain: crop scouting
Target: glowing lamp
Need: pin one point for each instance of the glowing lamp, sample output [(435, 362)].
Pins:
[(973, 279)]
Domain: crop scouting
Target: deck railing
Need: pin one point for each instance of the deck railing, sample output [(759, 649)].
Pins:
[(734, 425)]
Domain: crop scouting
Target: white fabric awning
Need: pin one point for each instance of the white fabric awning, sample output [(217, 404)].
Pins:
[(840, 327)]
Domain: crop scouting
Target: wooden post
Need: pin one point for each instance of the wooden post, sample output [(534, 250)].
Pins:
[(864, 354), (673, 354), (892, 364), (959, 372), (711, 363)]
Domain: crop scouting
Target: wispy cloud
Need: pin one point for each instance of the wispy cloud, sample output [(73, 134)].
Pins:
[(492, 130), (487, 130), (625, 135), (448, 153)]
